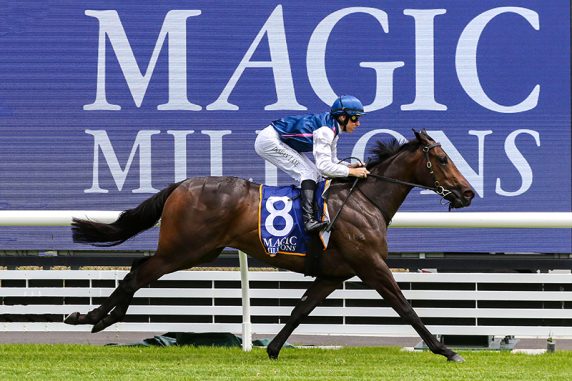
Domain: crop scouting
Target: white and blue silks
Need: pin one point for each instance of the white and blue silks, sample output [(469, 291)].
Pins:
[(297, 131), (285, 142)]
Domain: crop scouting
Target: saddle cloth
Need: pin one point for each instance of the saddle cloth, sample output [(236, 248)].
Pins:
[(280, 222)]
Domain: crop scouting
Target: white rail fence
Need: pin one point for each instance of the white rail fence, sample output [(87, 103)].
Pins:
[(400, 220), (531, 305)]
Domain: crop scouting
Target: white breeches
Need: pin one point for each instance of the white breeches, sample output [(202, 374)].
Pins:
[(269, 146)]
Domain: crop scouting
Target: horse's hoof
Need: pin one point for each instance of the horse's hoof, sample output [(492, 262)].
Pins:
[(272, 355), (72, 319), (98, 327), (456, 358)]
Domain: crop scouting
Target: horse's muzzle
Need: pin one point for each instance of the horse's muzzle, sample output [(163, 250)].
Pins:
[(461, 198)]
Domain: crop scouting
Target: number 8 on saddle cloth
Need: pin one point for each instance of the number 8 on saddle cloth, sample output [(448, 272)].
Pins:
[(280, 223)]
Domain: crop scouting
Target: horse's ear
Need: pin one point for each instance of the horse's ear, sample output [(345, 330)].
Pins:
[(427, 136), (420, 135), (423, 136)]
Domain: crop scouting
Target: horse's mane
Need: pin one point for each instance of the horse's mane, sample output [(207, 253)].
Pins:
[(384, 149)]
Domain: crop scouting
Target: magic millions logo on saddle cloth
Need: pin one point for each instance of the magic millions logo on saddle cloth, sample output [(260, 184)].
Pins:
[(280, 222)]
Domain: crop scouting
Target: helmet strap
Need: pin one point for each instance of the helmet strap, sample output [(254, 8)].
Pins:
[(343, 123)]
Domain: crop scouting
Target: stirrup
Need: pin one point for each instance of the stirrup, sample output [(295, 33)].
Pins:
[(313, 225)]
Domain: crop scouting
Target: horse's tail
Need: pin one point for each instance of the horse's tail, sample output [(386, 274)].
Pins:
[(130, 222)]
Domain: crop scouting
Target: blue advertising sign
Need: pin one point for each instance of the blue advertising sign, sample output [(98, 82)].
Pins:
[(103, 103)]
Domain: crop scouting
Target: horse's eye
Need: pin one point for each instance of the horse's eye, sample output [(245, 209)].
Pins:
[(443, 159)]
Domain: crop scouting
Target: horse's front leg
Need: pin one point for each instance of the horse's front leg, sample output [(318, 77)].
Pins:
[(314, 295), (379, 277)]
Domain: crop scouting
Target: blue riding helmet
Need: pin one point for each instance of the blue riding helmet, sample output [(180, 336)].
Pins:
[(347, 104)]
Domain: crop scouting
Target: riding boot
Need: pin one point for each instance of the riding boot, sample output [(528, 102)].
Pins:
[(308, 188)]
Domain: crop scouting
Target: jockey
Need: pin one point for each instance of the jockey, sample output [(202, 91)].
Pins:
[(283, 142)]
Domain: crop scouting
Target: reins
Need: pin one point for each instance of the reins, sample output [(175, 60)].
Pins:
[(402, 182), (356, 180), (437, 188), (331, 224)]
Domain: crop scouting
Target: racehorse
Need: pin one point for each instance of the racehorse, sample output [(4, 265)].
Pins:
[(201, 216)]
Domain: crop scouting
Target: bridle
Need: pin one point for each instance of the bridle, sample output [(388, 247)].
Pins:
[(437, 187)]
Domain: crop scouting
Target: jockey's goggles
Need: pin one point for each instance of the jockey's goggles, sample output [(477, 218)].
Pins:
[(355, 118)]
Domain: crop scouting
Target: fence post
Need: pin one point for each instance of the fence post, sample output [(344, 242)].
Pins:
[(246, 325)]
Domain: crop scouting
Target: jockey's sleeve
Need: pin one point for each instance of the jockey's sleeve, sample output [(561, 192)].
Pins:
[(335, 152), (325, 147)]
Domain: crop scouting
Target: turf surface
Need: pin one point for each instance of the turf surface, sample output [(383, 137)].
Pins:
[(75, 362)]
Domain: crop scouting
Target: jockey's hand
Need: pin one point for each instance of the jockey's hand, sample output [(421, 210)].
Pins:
[(356, 165), (360, 172)]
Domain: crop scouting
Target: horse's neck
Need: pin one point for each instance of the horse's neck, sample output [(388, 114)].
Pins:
[(387, 196)]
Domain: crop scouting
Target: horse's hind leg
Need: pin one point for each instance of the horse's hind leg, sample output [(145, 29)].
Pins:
[(142, 273), (316, 293), (118, 301), (115, 307), (381, 279)]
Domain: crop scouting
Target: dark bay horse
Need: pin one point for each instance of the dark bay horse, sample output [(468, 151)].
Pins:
[(201, 216)]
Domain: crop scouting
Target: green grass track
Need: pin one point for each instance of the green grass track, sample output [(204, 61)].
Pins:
[(84, 362)]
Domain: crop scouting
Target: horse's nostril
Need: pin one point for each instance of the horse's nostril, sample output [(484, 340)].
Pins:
[(469, 194)]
